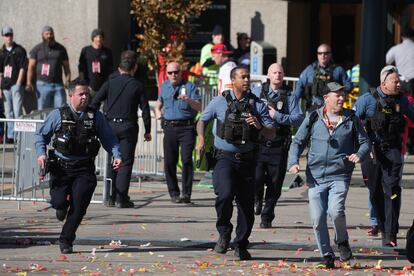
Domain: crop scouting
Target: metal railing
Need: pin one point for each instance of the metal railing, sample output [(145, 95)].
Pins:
[(19, 170)]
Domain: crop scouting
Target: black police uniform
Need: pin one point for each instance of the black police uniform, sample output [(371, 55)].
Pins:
[(122, 95), (71, 164), (272, 161)]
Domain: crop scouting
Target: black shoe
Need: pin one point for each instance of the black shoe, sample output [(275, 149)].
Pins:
[(109, 203), (222, 244), (175, 199), (258, 206), (9, 141), (66, 248), (328, 261), (389, 240), (61, 214), (373, 231), (242, 254), (345, 252), (266, 224), (185, 199), (125, 204)]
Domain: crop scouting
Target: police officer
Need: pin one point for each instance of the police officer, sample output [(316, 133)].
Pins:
[(180, 102), (76, 129), (240, 118), (314, 78), (383, 109), (122, 95), (272, 161)]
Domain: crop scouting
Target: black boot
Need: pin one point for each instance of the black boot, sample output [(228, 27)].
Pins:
[(345, 252)]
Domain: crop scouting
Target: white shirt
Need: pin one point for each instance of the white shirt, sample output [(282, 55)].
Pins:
[(403, 57), (224, 80)]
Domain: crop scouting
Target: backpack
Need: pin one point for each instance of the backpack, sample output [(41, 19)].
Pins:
[(314, 116)]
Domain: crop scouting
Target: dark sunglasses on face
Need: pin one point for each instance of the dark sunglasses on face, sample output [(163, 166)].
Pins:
[(7, 35), (324, 53), (173, 72)]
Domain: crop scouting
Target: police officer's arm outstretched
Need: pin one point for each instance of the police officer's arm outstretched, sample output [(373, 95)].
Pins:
[(78, 130)]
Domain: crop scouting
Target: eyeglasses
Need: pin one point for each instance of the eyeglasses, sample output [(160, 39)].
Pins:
[(389, 72), (173, 72), (324, 53)]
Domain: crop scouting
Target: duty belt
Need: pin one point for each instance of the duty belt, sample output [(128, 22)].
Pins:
[(175, 123), (237, 155), (74, 163), (273, 144), (119, 120)]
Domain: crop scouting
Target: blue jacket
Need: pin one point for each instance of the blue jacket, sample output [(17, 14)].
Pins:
[(327, 153), (306, 78)]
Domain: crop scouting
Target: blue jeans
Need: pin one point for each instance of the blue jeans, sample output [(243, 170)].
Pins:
[(13, 106), (50, 95), (328, 198), (372, 214)]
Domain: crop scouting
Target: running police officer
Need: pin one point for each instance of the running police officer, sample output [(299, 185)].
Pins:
[(77, 130), (272, 161), (181, 102), (313, 79), (241, 117), (383, 109), (122, 95)]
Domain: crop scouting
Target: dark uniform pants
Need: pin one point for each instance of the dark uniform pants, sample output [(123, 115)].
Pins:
[(73, 187), (234, 179), (183, 136), (127, 134), (384, 184), (270, 170)]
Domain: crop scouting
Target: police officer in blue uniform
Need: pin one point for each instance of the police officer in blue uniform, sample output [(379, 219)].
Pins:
[(240, 118), (177, 106), (77, 131), (383, 109), (272, 161), (313, 80)]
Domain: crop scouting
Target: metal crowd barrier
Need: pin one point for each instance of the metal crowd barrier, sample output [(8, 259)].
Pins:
[(19, 170)]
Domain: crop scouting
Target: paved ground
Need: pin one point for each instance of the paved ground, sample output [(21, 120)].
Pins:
[(159, 237)]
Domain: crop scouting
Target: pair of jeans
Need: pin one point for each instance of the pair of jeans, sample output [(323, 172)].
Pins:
[(328, 198), (50, 95), (13, 101)]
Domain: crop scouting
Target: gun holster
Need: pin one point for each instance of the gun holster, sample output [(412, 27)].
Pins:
[(211, 159)]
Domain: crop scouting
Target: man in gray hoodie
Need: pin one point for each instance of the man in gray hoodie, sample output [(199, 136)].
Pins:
[(336, 142)]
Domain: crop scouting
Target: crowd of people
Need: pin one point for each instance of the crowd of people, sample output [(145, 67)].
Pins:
[(253, 146)]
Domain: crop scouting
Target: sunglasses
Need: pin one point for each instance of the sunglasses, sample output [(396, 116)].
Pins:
[(324, 53), (8, 35), (173, 72), (389, 72)]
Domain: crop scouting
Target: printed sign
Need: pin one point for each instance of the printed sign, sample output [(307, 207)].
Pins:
[(24, 127)]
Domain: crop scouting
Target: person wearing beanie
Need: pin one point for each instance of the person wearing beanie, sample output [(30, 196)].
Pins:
[(46, 61), (95, 62), (13, 63)]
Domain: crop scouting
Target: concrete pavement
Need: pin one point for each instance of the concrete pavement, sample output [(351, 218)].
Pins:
[(159, 237)]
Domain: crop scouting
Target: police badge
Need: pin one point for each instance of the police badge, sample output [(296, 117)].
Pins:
[(279, 105)]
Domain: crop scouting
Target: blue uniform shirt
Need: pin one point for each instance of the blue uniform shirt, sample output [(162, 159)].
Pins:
[(53, 124), (366, 105), (176, 109), (217, 108), (294, 117), (306, 78)]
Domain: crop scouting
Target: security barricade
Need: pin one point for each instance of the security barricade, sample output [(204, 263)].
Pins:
[(19, 171)]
